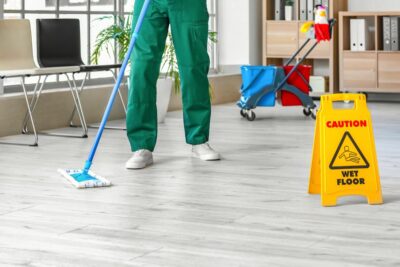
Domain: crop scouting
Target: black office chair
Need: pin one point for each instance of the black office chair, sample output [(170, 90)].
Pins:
[(52, 53), (59, 44)]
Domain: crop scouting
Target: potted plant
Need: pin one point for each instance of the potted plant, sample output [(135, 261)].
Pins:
[(120, 33), (289, 10)]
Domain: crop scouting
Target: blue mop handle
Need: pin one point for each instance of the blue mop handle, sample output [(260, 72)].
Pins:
[(135, 35)]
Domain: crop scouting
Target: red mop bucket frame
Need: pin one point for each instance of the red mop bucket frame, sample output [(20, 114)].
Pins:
[(300, 77), (301, 83)]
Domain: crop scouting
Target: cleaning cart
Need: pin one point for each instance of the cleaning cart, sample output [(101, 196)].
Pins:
[(264, 85)]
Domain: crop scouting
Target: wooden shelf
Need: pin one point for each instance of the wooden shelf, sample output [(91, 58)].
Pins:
[(388, 52), (374, 70), (368, 14), (284, 21), (281, 39), (359, 52)]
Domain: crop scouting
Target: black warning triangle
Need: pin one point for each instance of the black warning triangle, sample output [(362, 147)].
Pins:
[(356, 159)]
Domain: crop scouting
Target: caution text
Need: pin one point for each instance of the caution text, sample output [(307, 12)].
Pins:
[(346, 124)]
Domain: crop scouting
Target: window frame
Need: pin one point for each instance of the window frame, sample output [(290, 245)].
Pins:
[(1, 17), (213, 12), (118, 11)]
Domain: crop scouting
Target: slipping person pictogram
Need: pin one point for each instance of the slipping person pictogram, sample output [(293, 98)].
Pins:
[(349, 155)]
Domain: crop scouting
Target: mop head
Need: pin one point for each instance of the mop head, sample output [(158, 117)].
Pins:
[(81, 179)]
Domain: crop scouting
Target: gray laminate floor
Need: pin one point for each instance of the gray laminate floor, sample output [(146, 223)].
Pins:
[(250, 209)]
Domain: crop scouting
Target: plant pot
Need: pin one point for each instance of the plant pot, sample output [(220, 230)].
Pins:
[(164, 89), (288, 13)]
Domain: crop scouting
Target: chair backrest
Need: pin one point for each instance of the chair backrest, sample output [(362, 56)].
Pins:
[(16, 45), (58, 42)]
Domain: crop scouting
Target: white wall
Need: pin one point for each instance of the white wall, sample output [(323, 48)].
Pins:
[(374, 5), (255, 29), (1, 16), (233, 34), (239, 32)]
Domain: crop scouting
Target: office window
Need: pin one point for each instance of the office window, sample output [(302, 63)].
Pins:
[(89, 12), (12, 5), (103, 5), (213, 51), (73, 5)]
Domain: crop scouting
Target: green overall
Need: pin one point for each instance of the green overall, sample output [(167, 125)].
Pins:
[(188, 20)]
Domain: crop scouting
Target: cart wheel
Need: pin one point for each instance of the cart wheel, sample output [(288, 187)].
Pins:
[(243, 113), (307, 112), (251, 116), (314, 114)]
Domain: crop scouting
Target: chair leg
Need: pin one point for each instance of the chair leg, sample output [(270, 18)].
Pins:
[(35, 98), (123, 105), (28, 105), (122, 101), (26, 118), (119, 91), (78, 102), (71, 124), (78, 108)]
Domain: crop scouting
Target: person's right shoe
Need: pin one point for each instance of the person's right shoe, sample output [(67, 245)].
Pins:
[(140, 159), (205, 152)]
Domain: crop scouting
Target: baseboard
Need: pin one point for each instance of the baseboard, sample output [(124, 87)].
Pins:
[(384, 97), (54, 109), (55, 106)]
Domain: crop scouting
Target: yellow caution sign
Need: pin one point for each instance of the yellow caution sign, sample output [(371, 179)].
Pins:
[(344, 161)]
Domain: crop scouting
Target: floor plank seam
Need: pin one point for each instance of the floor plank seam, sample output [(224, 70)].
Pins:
[(75, 230), (17, 210), (318, 241), (147, 253)]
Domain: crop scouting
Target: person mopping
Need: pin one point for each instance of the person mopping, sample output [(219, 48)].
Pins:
[(188, 21)]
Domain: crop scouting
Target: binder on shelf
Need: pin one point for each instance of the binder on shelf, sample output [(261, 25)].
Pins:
[(359, 35), (279, 9), (363, 35), (353, 34), (303, 10), (310, 9), (395, 21), (386, 34)]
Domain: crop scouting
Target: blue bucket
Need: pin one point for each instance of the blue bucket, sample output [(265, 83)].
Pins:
[(258, 86)]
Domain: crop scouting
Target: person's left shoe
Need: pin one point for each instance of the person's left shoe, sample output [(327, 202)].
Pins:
[(140, 160), (205, 152)]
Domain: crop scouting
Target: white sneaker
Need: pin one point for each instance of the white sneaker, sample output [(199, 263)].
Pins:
[(205, 152), (140, 159)]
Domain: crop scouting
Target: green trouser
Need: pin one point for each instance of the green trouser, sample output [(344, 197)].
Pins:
[(189, 28)]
